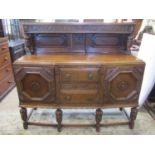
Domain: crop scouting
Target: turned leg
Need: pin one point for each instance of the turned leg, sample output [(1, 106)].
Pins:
[(98, 118), (59, 118), (23, 113), (120, 109), (133, 116)]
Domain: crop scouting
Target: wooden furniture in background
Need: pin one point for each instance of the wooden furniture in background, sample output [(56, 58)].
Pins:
[(6, 74), (2, 34), (78, 65), (17, 49), (11, 29)]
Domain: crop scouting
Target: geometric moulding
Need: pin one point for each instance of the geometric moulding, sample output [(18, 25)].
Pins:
[(36, 84), (123, 84)]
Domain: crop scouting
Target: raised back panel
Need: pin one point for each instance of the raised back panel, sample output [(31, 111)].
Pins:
[(49, 38), (106, 43), (59, 43)]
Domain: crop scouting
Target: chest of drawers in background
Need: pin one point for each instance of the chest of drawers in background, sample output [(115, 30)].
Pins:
[(6, 74)]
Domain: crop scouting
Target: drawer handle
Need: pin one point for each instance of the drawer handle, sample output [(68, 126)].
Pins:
[(68, 98), (90, 76), (3, 48), (9, 82), (5, 58), (67, 76), (7, 70), (89, 99)]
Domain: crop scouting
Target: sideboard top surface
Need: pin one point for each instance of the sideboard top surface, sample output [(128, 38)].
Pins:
[(79, 59)]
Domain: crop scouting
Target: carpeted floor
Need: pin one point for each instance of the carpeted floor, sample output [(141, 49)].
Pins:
[(10, 121)]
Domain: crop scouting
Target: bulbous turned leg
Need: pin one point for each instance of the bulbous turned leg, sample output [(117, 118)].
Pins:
[(98, 118), (59, 119), (133, 116), (23, 113), (120, 109)]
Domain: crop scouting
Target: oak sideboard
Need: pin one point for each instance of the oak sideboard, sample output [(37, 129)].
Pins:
[(76, 66)]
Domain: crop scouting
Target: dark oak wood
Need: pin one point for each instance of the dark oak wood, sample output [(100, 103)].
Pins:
[(84, 81), (98, 118), (133, 116), (79, 65), (17, 49), (59, 118), (104, 38), (76, 125), (23, 113), (6, 73)]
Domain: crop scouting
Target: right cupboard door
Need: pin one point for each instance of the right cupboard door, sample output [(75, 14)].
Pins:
[(122, 84)]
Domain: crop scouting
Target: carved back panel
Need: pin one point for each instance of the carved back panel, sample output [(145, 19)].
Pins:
[(49, 38)]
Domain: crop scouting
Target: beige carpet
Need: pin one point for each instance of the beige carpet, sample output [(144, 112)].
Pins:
[(10, 121)]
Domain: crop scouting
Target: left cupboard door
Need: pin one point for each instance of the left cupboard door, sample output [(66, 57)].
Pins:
[(35, 84)]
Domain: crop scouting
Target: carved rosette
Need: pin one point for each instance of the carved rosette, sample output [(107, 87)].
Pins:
[(35, 84), (122, 83)]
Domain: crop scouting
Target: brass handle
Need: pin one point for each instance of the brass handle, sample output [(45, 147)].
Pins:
[(90, 76), (7, 70), (67, 76), (89, 99), (3, 48), (68, 98), (5, 58)]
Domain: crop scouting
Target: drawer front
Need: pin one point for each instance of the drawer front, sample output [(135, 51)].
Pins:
[(79, 97), (5, 72), (4, 59), (5, 84), (17, 54), (79, 74), (4, 48)]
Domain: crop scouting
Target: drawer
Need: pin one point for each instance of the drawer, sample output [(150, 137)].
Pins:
[(79, 74), (18, 54), (4, 59), (5, 72), (4, 48), (5, 84), (79, 96)]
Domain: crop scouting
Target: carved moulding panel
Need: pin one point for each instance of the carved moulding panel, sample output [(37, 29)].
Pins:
[(122, 84), (35, 84), (78, 28)]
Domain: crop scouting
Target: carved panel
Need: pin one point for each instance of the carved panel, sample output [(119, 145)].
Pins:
[(77, 42), (122, 83), (35, 84), (51, 40), (78, 28), (106, 43)]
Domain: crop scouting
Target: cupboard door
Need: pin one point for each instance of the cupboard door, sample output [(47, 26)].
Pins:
[(35, 84), (123, 83)]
